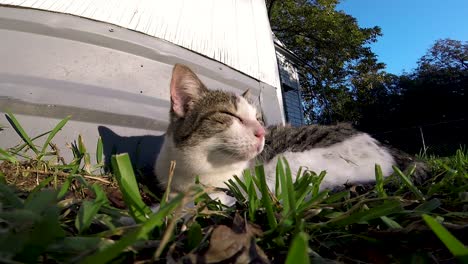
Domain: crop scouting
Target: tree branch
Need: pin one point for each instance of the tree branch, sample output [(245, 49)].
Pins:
[(270, 4)]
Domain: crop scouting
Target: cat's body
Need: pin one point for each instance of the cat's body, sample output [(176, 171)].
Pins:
[(345, 153), (351, 160), (215, 135)]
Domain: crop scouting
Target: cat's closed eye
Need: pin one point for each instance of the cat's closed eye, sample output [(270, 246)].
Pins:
[(233, 115), (222, 117)]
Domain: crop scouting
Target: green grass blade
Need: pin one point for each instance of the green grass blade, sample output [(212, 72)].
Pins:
[(283, 195), (123, 172), (291, 195), (428, 206), (86, 214), (82, 180), (64, 188), (155, 220), (78, 156), (42, 232), (337, 197), (301, 179), (234, 188), (43, 184), (253, 200), (66, 249), (255, 179), (15, 150), (314, 200), (4, 155), (409, 183), (385, 209), (40, 201), (379, 181), (53, 133), (89, 209), (99, 151), (19, 215), (303, 189), (81, 145), (266, 200), (317, 181), (87, 163), (8, 197), (301, 185), (19, 129), (239, 186), (247, 178), (278, 179), (194, 235), (390, 222), (298, 251), (299, 174), (451, 242), (2, 178)]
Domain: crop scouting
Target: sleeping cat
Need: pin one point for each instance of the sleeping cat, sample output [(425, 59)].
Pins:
[(216, 134)]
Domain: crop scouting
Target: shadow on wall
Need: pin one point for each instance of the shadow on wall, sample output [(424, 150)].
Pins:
[(143, 150)]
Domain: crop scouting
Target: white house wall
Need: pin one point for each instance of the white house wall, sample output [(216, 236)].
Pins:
[(234, 32), (112, 81)]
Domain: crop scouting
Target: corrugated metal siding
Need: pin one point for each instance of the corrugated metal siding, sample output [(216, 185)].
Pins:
[(234, 32)]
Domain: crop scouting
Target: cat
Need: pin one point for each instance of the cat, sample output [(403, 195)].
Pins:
[(216, 134)]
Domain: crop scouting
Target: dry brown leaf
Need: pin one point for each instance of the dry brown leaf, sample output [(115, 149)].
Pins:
[(234, 244)]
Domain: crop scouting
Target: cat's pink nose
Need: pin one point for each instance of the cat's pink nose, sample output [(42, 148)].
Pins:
[(259, 132)]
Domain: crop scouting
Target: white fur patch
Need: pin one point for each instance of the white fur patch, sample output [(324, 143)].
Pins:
[(350, 161), (245, 109), (195, 161)]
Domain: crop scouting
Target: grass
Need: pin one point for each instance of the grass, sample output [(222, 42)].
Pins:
[(57, 212)]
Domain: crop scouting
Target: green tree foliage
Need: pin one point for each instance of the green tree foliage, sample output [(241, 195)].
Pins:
[(436, 90), (338, 65), (342, 80), (446, 55), (433, 97)]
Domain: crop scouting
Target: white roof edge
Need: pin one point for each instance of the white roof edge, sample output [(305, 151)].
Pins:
[(236, 33)]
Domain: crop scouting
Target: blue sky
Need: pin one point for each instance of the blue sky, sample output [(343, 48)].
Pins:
[(409, 27)]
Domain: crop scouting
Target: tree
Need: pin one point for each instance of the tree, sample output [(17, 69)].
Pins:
[(342, 80), (431, 99), (445, 55), (338, 62), (436, 90)]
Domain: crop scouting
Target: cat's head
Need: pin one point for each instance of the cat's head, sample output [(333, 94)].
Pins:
[(221, 124)]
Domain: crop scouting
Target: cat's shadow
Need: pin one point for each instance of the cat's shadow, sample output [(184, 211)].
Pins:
[(143, 150)]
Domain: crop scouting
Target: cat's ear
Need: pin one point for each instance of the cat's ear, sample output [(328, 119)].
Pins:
[(186, 89), (247, 94)]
